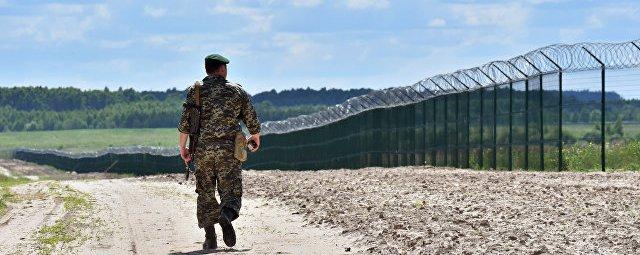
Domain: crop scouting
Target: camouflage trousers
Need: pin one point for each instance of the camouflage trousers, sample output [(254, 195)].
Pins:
[(216, 167)]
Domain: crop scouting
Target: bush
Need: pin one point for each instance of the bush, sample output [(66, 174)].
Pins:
[(621, 156)]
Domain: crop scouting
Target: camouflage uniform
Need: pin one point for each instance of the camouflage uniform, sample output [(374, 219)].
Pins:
[(224, 104)]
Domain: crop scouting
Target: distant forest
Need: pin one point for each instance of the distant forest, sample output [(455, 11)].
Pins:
[(41, 108)]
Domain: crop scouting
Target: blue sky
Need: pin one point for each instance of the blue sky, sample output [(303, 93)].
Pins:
[(155, 45)]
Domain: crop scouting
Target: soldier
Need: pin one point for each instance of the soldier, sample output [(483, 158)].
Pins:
[(222, 105)]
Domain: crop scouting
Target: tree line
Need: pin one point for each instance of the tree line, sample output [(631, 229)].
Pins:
[(41, 108), (69, 98)]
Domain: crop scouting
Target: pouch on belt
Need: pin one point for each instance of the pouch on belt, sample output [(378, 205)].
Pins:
[(240, 151)]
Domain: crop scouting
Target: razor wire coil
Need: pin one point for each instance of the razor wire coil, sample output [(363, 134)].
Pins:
[(549, 59)]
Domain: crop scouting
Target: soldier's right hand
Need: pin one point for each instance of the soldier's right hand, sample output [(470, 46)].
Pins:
[(184, 154), (255, 139)]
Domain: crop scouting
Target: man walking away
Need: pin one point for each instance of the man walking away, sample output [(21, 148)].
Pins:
[(221, 106)]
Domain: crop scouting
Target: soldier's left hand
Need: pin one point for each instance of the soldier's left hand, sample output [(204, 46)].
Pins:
[(184, 154)]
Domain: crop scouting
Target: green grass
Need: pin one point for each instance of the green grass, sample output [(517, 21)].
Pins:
[(89, 139), (50, 236), (67, 229), (5, 193), (74, 201), (619, 157), (622, 156), (579, 130)]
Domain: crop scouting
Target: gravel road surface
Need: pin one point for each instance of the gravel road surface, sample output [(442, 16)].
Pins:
[(443, 211)]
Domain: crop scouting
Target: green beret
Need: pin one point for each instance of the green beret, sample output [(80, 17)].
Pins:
[(216, 59)]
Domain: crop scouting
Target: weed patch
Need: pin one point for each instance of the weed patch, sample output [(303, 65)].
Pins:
[(69, 231), (5, 193)]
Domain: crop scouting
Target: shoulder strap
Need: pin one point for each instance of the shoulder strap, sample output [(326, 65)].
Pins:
[(197, 94)]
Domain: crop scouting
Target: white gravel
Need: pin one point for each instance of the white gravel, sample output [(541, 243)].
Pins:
[(441, 211)]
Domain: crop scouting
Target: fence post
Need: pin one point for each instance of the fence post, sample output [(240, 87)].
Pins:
[(469, 121), (411, 131), (510, 126), (397, 143), (457, 147), (540, 97), (560, 105), (602, 109), (446, 134), (481, 127), (511, 108), (434, 162), (446, 130), (468, 149), (510, 150), (560, 110), (424, 131), (495, 127), (526, 124), (602, 120), (494, 117), (526, 107), (455, 158)]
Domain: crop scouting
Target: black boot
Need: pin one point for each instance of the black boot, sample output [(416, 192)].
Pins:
[(210, 242), (228, 234)]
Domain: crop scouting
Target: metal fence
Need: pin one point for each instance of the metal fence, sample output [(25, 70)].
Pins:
[(560, 107), (138, 160)]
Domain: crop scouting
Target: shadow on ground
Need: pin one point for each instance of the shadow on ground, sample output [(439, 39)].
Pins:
[(229, 250)]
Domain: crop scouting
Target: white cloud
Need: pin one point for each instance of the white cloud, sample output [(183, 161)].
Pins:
[(603, 14), (57, 22), (437, 22), (102, 11), (307, 3), (298, 50), (546, 1), (201, 43), (122, 66), (155, 12), (259, 21), (569, 35), (115, 44), (172, 40), (295, 45), (599, 17), (511, 16), (64, 9), (366, 4)]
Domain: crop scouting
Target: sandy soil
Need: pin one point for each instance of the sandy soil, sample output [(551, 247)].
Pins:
[(449, 211), (24, 219), (157, 216), (386, 211)]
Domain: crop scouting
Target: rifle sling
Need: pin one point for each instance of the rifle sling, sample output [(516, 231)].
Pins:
[(197, 95)]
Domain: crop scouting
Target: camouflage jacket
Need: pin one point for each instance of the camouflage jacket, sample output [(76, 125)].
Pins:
[(223, 106)]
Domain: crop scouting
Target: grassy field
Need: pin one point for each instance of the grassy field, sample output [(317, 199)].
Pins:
[(89, 139), (577, 158), (579, 130), (96, 139)]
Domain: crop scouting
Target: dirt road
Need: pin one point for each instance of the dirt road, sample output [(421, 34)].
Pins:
[(405, 210), (135, 216)]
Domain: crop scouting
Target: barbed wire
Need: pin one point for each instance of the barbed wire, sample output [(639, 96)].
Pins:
[(549, 59)]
